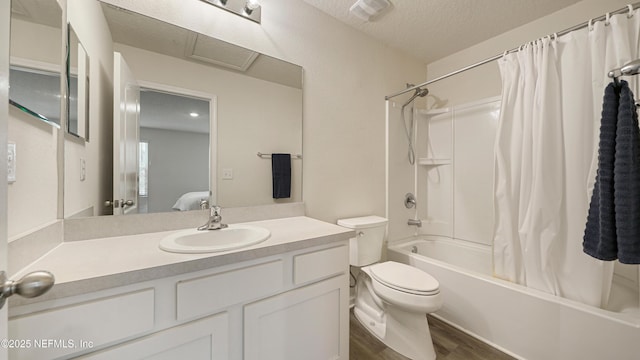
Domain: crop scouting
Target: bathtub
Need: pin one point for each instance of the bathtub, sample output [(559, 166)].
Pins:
[(522, 322)]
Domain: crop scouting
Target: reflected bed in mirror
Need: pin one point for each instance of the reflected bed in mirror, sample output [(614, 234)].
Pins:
[(258, 108)]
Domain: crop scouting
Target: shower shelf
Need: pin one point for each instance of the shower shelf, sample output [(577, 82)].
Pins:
[(433, 162), (434, 112)]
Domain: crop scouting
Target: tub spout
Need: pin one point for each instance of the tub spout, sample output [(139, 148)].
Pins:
[(416, 222)]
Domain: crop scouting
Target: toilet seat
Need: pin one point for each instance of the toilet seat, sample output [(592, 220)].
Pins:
[(405, 278)]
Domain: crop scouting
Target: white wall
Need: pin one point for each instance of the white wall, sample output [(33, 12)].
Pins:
[(484, 81), (252, 115), (33, 198), (92, 30), (473, 85), (346, 76), (178, 163)]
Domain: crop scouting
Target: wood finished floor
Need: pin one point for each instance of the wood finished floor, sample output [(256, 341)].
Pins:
[(449, 343)]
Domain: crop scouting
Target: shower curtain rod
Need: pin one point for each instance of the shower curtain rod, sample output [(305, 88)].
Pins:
[(627, 8)]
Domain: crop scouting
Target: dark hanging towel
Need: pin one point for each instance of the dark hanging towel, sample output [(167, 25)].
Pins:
[(600, 232), (626, 178), (281, 174)]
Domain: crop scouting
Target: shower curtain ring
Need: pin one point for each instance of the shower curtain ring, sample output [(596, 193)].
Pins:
[(590, 25), (606, 20), (630, 14)]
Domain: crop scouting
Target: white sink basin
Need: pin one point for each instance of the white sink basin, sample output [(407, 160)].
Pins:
[(194, 241)]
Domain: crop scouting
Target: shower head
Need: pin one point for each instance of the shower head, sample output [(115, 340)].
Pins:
[(420, 92)]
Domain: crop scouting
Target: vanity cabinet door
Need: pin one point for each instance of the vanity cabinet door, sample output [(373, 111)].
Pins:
[(205, 339), (310, 323)]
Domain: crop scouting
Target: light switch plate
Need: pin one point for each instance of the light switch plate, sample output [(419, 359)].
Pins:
[(11, 162), (83, 169)]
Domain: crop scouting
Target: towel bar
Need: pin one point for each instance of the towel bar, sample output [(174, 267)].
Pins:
[(268, 156)]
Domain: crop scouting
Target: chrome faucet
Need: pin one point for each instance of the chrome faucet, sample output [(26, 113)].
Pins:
[(215, 220), (416, 222)]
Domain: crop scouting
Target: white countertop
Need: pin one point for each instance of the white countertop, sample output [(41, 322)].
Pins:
[(90, 265)]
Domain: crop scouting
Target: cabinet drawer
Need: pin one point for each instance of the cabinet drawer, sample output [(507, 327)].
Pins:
[(65, 330), (320, 264), (209, 294)]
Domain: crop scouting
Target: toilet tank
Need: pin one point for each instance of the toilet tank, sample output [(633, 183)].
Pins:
[(366, 247)]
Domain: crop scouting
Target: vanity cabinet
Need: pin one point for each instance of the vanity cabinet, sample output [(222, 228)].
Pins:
[(302, 323), (289, 306), (207, 338)]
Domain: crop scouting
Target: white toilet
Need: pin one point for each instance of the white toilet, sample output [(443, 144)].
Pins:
[(392, 299)]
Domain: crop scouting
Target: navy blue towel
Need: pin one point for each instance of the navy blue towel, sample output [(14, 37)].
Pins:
[(600, 232), (626, 178), (281, 174)]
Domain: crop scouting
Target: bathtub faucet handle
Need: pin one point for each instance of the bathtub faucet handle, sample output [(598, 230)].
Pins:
[(409, 200)]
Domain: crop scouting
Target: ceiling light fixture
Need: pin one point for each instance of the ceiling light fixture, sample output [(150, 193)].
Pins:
[(368, 10), (250, 6), (248, 9)]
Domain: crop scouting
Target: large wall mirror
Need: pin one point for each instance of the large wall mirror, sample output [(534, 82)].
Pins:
[(197, 111), (36, 95)]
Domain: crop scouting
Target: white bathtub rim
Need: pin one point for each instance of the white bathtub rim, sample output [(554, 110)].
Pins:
[(401, 246)]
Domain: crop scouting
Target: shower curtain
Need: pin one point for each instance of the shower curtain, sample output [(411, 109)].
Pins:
[(546, 157)]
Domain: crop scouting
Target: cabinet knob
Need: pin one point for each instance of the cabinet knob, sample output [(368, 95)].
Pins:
[(31, 285)]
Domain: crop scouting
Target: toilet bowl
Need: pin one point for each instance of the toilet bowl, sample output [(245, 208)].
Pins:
[(394, 311), (392, 299)]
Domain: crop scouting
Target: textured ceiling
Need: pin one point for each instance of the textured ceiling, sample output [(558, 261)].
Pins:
[(433, 29)]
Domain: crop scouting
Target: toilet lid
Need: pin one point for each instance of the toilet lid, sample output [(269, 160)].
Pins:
[(405, 278)]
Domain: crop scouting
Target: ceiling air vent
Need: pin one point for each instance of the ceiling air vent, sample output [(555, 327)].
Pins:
[(217, 52)]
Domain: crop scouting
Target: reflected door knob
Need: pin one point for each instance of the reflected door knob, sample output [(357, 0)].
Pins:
[(118, 203), (31, 285)]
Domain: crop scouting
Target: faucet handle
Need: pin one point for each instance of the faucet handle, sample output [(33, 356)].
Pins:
[(204, 204)]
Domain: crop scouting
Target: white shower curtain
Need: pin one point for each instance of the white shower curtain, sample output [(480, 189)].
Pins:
[(546, 157)]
